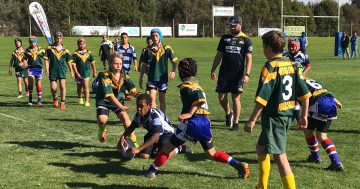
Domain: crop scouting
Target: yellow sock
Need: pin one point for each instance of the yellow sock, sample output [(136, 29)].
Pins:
[(133, 137), (289, 181), (264, 171)]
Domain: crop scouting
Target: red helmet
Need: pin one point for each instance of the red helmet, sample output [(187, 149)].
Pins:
[(294, 41)]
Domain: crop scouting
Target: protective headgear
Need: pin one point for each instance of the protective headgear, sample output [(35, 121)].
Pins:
[(187, 68), (157, 30), (58, 34), (33, 39), (17, 39), (294, 41)]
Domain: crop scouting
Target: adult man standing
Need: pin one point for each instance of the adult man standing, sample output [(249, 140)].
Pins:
[(303, 42), (232, 49), (354, 45), (345, 45)]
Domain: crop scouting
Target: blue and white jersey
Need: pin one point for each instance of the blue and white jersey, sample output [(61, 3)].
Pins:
[(129, 56), (155, 122), (299, 58)]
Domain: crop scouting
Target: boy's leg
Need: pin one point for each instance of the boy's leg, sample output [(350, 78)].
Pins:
[(313, 145), (31, 86), (124, 117), (330, 149), (53, 88), (153, 97), (285, 171), (86, 91), (62, 93), (264, 167), (101, 120), (39, 91), (26, 83), (162, 101), (19, 87), (78, 90)]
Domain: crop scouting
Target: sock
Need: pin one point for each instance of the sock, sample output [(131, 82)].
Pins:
[(313, 147), (55, 97), (39, 93), (176, 151), (330, 149), (153, 168), (30, 96), (62, 101), (264, 170), (160, 159), (133, 137), (288, 181), (223, 157)]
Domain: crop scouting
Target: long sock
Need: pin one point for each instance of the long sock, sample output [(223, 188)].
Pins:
[(62, 101), (264, 170), (330, 149), (133, 137), (30, 96), (223, 157), (313, 146), (39, 93), (289, 181), (159, 161)]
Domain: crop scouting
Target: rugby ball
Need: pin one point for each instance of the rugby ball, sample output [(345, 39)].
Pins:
[(125, 152)]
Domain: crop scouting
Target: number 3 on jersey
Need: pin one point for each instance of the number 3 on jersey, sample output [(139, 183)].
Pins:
[(288, 82)]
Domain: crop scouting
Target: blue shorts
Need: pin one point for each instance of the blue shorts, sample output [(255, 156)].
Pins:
[(160, 85), (195, 129), (35, 72), (324, 108)]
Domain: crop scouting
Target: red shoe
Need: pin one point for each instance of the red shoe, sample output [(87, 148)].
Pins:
[(62, 106), (56, 103)]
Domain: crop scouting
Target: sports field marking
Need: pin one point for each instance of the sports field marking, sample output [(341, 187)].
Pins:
[(15, 118)]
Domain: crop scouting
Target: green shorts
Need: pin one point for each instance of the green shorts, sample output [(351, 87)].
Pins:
[(57, 73), (21, 72), (274, 133)]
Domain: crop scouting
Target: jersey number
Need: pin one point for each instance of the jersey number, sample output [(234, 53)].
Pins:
[(313, 84), (288, 81)]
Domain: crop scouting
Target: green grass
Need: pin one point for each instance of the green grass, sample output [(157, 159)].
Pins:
[(48, 148)]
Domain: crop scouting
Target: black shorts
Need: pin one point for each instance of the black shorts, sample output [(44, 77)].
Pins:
[(104, 57), (317, 125), (102, 110), (161, 143), (233, 85)]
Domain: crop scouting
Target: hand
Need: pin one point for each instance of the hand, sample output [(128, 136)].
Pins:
[(141, 83), (72, 75), (10, 72), (248, 127), (183, 117), (172, 75), (302, 123), (245, 79), (94, 75), (135, 150), (338, 105), (213, 76), (78, 75)]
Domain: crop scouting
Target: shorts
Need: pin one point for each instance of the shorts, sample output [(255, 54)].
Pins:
[(324, 108), (194, 129), (57, 74), (21, 73), (233, 86), (80, 80), (160, 85), (104, 57), (274, 133), (317, 125), (35, 72), (158, 146), (102, 110)]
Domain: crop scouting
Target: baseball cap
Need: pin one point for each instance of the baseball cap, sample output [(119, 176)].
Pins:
[(235, 20), (58, 34)]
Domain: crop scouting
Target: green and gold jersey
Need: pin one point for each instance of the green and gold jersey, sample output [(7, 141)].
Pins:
[(191, 93), (280, 84), (83, 60), (34, 57), (17, 57), (158, 62), (58, 59), (108, 86)]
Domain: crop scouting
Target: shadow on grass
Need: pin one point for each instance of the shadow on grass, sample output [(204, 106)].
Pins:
[(14, 104), (102, 170), (92, 121), (202, 157), (58, 145), (102, 155), (96, 186)]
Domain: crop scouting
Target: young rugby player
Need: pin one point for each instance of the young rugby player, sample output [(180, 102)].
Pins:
[(158, 126), (233, 49), (195, 124), (280, 84), (106, 48), (322, 110), (157, 57), (56, 58), (128, 51), (33, 58), (16, 62), (149, 43), (83, 59), (109, 95)]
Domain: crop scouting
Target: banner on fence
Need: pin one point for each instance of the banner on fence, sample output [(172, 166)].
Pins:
[(294, 30), (188, 30)]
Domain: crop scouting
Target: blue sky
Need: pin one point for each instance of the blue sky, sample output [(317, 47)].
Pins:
[(314, 1)]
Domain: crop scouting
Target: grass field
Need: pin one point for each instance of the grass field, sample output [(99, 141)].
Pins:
[(48, 148)]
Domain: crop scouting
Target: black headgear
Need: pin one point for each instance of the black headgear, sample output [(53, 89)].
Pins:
[(187, 68)]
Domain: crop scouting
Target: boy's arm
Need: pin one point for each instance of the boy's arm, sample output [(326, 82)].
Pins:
[(10, 66), (116, 102), (142, 71), (122, 142), (93, 67), (173, 70), (153, 139), (188, 115), (249, 125), (302, 123), (338, 103), (215, 64), (47, 67)]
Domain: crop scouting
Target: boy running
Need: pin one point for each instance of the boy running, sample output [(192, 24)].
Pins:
[(280, 83), (83, 59), (16, 62), (195, 124)]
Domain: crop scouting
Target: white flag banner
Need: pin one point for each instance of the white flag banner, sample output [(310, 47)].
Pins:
[(37, 12)]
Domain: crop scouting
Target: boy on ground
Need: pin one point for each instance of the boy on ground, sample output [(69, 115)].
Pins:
[(195, 124), (157, 58), (158, 126), (109, 95), (33, 58), (83, 59), (16, 62), (280, 84), (322, 110), (56, 58)]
